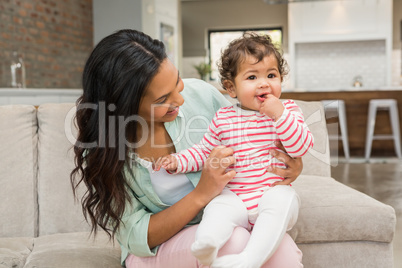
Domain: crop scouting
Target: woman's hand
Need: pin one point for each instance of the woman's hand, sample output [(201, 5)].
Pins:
[(294, 166), (214, 176)]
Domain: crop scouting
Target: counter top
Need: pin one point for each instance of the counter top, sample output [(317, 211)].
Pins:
[(345, 89), (327, 89)]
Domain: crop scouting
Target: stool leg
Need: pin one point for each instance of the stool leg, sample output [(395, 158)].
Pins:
[(370, 130), (395, 130), (344, 128)]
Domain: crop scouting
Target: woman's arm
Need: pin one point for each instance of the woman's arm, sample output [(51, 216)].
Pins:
[(167, 223), (294, 166)]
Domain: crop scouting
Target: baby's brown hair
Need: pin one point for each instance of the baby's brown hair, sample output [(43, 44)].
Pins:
[(250, 44)]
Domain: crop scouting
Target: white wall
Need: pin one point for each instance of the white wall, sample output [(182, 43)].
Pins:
[(200, 16), (142, 15), (336, 23), (334, 65), (167, 12), (110, 16), (396, 67)]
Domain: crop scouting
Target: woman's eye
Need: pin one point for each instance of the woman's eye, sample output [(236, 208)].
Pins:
[(162, 101)]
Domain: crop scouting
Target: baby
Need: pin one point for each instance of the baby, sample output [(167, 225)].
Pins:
[(251, 70)]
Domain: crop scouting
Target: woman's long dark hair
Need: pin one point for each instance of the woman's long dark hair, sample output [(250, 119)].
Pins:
[(115, 76)]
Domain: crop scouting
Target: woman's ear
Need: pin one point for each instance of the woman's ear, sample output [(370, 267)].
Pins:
[(230, 88)]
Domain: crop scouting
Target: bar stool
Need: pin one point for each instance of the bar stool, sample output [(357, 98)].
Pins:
[(383, 104), (339, 107)]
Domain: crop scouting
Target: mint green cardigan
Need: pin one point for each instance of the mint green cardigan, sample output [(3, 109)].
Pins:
[(201, 101)]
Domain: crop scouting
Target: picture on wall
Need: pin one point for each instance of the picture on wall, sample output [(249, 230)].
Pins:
[(167, 37)]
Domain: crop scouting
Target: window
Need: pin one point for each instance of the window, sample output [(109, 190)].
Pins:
[(219, 39)]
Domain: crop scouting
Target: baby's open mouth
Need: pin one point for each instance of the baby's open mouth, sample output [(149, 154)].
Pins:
[(262, 97)]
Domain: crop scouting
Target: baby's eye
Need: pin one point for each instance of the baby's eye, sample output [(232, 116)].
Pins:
[(271, 76), (251, 77)]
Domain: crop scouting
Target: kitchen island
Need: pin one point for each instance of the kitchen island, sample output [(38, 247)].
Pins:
[(356, 102)]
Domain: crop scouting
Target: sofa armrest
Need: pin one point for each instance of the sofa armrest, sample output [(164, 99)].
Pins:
[(331, 212)]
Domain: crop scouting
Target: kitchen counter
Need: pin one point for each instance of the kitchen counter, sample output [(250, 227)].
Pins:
[(345, 89), (356, 103), (327, 89)]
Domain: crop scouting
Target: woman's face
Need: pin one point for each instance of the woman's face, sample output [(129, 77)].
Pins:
[(162, 99)]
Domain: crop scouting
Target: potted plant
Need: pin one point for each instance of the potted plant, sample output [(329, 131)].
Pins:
[(203, 69)]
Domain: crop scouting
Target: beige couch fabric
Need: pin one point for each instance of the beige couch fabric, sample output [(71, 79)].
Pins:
[(344, 215), (354, 254), (59, 212), (18, 174), (42, 226), (74, 250), (14, 251), (316, 161)]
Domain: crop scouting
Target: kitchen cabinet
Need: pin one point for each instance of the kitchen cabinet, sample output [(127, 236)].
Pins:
[(334, 21), (331, 29)]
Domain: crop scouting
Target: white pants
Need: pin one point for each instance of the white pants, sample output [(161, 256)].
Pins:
[(277, 212)]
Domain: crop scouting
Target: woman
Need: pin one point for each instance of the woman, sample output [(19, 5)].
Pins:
[(144, 111)]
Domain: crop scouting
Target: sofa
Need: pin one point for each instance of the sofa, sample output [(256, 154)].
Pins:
[(42, 225)]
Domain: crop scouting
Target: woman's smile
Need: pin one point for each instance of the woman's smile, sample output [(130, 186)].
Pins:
[(173, 112)]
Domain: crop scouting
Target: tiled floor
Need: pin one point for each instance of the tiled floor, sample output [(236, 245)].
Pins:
[(380, 179)]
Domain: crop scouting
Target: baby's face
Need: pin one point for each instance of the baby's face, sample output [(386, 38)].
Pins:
[(254, 81)]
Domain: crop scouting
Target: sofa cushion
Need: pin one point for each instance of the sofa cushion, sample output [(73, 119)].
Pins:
[(317, 160), (74, 250), (349, 254), (332, 212), (59, 212), (18, 127), (14, 251)]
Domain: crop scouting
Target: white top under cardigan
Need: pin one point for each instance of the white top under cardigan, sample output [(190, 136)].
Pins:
[(169, 188)]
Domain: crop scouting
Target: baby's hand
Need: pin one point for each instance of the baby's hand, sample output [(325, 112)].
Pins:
[(272, 107), (168, 162)]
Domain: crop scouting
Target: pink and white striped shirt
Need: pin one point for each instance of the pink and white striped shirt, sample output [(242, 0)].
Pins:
[(250, 134)]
